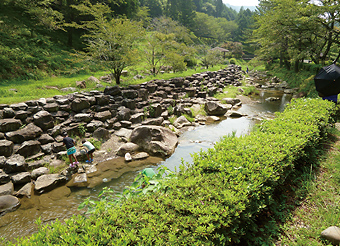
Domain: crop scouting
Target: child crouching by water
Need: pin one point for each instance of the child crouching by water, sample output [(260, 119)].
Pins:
[(90, 149)]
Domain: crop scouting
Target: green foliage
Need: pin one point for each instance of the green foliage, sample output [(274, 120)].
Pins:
[(223, 197), (81, 129), (232, 61), (110, 42)]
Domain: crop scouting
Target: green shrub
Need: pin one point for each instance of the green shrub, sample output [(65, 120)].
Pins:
[(232, 61)]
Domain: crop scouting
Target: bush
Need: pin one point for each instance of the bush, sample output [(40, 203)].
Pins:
[(219, 199), (232, 61)]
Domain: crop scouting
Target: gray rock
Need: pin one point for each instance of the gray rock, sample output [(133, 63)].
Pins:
[(153, 121), (123, 114), (101, 133), (232, 101), (4, 177), (19, 106), (181, 122), (155, 140), (57, 147), (29, 148), (44, 120), (8, 113), (6, 148), (15, 163), (112, 90), (78, 180), (234, 114), (93, 125), (140, 156), (21, 178), (21, 115), (79, 104), (215, 108), (26, 190), (6, 189), (8, 125), (332, 234), (127, 148), (47, 148), (8, 203), (83, 117), (45, 139), (51, 107), (39, 172), (48, 181), (30, 132), (102, 116), (124, 133)]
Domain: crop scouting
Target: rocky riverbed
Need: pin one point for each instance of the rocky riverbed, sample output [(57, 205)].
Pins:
[(133, 120)]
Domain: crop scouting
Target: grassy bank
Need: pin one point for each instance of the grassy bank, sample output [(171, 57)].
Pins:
[(18, 90), (318, 207)]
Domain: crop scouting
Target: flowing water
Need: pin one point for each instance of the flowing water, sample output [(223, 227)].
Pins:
[(63, 202)]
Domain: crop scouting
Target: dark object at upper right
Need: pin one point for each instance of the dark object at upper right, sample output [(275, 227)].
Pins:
[(327, 81)]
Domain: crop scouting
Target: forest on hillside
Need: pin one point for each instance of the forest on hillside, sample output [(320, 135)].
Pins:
[(52, 37)]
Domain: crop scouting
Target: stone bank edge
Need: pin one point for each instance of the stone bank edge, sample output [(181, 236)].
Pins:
[(219, 199)]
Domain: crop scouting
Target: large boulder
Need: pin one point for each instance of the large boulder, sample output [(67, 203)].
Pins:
[(39, 172), (79, 104), (45, 139), (155, 140), (30, 132), (6, 189), (8, 125), (101, 133), (83, 117), (29, 148), (102, 116), (48, 182), (215, 108), (112, 90), (6, 148), (15, 163), (44, 120), (8, 203)]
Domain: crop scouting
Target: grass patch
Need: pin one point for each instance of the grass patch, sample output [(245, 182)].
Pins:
[(320, 208)]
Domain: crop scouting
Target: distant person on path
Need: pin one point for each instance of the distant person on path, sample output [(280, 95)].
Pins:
[(247, 69), (90, 149), (71, 149)]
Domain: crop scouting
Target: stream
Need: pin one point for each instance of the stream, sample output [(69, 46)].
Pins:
[(63, 202)]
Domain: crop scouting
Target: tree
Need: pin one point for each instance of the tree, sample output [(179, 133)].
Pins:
[(294, 30), (155, 50), (110, 42)]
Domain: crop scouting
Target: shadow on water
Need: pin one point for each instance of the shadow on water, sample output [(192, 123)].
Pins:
[(63, 202)]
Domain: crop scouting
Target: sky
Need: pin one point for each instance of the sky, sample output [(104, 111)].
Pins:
[(242, 2)]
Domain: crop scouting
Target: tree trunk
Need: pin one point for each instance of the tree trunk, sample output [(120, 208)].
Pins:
[(296, 66)]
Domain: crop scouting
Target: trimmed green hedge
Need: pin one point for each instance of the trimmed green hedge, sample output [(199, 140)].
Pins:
[(218, 200)]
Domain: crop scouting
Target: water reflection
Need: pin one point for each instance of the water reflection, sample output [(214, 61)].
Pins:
[(63, 202)]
